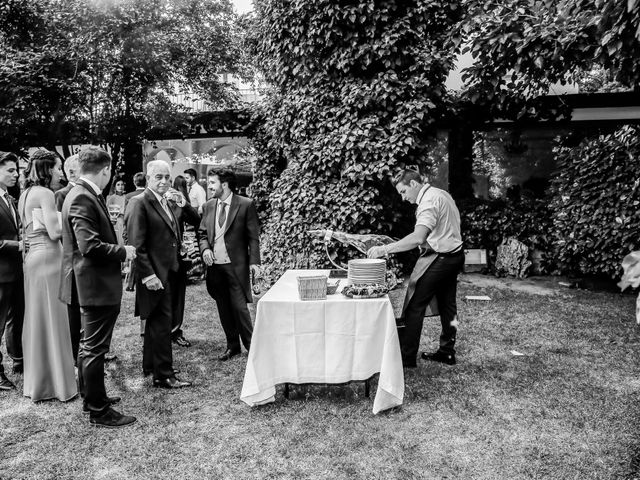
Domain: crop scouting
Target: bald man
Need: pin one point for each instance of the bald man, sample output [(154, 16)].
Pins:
[(154, 228)]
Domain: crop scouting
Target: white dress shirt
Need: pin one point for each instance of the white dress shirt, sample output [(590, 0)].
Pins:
[(220, 254), (197, 196), (438, 212)]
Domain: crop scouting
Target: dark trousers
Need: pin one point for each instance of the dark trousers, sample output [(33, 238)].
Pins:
[(97, 324), (75, 329), (178, 300), (441, 280), (12, 318), (225, 288), (157, 356)]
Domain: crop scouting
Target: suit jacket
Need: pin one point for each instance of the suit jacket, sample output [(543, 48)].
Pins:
[(10, 256), (91, 256), (241, 236), (158, 241), (61, 194)]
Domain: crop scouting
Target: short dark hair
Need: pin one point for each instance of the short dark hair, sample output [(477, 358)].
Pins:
[(8, 157), (140, 179), (226, 176), (405, 177), (192, 172), (93, 159), (38, 172)]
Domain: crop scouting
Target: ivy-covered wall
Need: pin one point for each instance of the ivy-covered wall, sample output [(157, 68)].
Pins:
[(358, 86)]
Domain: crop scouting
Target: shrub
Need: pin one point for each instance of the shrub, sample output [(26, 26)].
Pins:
[(596, 204), (485, 223)]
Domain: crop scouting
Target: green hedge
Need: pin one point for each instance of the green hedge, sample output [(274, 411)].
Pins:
[(596, 203), (485, 223)]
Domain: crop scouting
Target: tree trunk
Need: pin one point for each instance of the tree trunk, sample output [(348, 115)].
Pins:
[(461, 162)]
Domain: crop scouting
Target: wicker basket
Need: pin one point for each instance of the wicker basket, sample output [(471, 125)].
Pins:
[(312, 288)]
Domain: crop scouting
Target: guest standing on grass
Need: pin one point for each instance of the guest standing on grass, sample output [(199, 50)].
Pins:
[(140, 182), (437, 234), (46, 341), (197, 194), (71, 170), (229, 241), (154, 228), (11, 278), (116, 201), (177, 334), (91, 278)]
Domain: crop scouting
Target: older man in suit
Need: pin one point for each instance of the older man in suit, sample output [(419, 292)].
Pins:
[(91, 279), (71, 171), (154, 228), (229, 241), (11, 279)]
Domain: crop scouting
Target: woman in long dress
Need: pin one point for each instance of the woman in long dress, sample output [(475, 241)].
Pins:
[(116, 201), (46, 339)]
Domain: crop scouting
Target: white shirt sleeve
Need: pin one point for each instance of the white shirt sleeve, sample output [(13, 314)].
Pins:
[(427, 213)]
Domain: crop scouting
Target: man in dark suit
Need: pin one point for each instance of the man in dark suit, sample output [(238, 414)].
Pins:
[(72, 173), (230, 246), (154, 228), (11, 279), (91, 279), (75, 324), (140, 182)]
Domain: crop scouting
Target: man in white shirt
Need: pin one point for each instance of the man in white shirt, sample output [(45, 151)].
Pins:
[(197, 194), (437, 234)]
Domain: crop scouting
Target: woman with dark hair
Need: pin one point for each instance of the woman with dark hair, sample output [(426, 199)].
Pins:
[(116, 201), (46, 339), (180, 184)]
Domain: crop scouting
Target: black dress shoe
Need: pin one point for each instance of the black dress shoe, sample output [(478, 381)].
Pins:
[(400, 323), (111, 400), (183, 342), (409, 363), (18, 368), (228, 354), (5, 383), (129, 289), (112, 419), (442, 357), (146, 373), (171, 382)]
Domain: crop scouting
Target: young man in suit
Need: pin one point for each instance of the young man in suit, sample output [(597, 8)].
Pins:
[(11, 279), (91, 279), (154, 228), (229, 242)]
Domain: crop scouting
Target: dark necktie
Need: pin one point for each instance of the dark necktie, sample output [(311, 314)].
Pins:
[(223, 215)]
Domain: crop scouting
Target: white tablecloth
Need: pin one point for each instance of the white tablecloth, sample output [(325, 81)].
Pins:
[(335, 340)]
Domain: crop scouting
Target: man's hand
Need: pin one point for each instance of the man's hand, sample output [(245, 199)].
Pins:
[(255, 270), (207, 257), (154, 284), (377, 252), (20, 245), (131, 252)]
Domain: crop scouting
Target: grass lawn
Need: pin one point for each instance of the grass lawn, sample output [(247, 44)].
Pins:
[(567, 409)]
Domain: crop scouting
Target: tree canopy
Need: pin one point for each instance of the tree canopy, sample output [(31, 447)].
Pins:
[(80, 70)]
